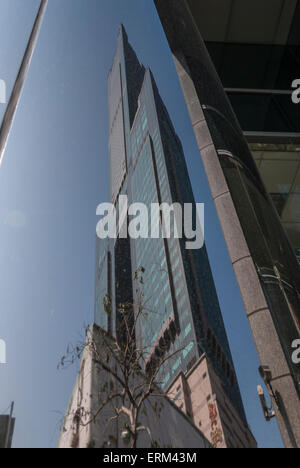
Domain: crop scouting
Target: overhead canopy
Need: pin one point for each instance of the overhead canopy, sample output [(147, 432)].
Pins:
[(247, 21)]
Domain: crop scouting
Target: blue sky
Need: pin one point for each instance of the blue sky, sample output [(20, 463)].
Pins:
[(54, 174)]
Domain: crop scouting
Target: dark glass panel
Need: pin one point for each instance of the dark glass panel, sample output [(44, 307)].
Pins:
[(265, 112), (255, 66)]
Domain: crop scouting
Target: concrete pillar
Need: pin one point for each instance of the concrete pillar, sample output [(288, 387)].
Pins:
[(246, 214)]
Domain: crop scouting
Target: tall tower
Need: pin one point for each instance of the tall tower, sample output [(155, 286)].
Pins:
[(148, 165)]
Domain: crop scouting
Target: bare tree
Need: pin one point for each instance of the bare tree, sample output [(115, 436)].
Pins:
[(131, 378)]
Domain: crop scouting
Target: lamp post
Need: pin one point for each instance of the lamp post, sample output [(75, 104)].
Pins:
[(17, 89)]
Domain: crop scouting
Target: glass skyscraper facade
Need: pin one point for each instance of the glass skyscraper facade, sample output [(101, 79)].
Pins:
[(180, 300)]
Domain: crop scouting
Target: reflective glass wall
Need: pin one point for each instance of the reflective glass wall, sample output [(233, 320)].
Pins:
[(279, 166), (258, 80)]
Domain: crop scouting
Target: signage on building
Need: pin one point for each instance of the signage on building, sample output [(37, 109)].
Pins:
[(216, 434)]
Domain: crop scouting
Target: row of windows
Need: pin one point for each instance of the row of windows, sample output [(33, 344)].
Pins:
[(184, 355), (182, 302), (138, 133), (150, 253), (187, 330), (176, 266), (237, 421), (178, 276), (220, 357), (188, 349), (162, 175), (179, 290), (164, 298)]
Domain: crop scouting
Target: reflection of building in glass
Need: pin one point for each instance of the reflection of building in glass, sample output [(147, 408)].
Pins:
[(255, 48), (259, 87), (183, 315), (279, 166), (257, 67)]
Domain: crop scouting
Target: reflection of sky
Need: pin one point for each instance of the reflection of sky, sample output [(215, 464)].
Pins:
[(53, 176)]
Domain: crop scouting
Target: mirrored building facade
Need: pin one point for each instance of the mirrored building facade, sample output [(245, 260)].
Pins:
[(182, 313)]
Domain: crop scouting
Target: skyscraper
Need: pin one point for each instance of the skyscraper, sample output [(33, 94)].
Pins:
[(148, 166), (248, 111)]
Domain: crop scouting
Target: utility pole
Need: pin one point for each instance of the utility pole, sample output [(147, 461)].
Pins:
[(17, 89), (9, 426)]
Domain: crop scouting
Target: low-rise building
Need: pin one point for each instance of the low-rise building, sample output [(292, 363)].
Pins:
[(162, 424)]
